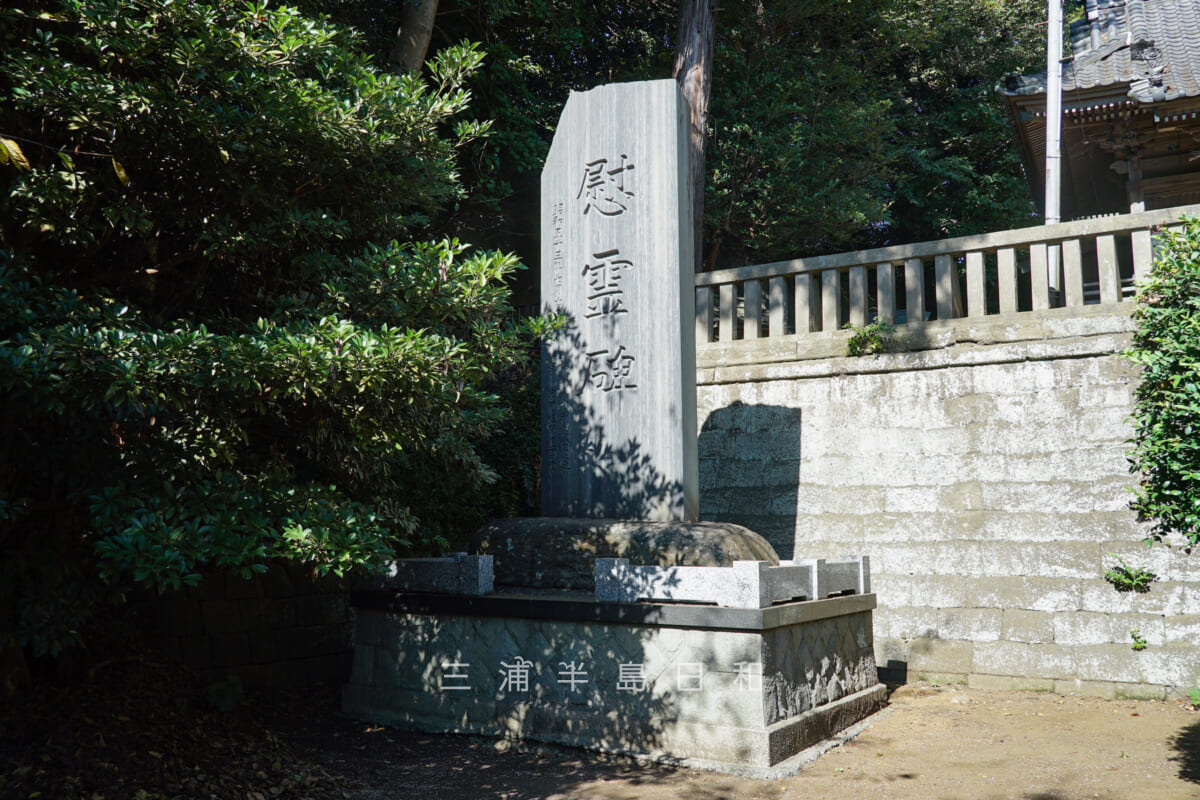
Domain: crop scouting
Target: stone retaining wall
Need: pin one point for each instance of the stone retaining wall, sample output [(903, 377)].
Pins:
[(984, 475)]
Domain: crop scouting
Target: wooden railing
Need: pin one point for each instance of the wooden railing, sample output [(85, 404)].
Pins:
[(1071, 264)]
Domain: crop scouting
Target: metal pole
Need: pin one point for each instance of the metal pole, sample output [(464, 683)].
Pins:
[(1054, 36)]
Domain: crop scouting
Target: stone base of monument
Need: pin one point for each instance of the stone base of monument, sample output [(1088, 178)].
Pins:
[(560, 552), (745, 690)]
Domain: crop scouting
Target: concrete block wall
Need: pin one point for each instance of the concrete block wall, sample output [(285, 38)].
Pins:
[(987, 480), (285, 627)]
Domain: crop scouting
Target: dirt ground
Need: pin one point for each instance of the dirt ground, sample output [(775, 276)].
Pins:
[(931, 743), (148, 733)]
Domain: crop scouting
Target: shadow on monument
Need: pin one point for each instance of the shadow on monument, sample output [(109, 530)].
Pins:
[(582, 681), (596, 675), (614, 480), (749, 459)]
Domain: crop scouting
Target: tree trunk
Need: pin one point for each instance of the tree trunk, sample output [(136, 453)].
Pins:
[(412, 38), (693, 71)]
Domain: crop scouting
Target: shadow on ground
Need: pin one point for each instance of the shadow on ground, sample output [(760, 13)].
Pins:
[(1186, 745), (385, 764)]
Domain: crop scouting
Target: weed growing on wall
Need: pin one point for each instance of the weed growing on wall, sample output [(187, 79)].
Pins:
[(1166, 415), (1129, 579), (874, 337)]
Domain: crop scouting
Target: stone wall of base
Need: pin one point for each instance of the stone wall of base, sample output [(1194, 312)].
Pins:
[(987, 481), (735, 689), (285, 627)]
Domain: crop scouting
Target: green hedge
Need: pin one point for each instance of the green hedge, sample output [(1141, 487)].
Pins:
[(1166, 416)]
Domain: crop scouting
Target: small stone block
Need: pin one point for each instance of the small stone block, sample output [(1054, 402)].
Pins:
[(1033, 684), (998, 683), (748, 589), (1140, 691), (458, 573), (608, 579), (747, 584), (475, 574), (1104, 689)]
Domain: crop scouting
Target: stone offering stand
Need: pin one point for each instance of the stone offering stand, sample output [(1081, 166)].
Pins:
[(745, 689)]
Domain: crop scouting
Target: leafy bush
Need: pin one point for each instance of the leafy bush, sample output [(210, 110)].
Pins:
[(214, 351), (1166, 416)]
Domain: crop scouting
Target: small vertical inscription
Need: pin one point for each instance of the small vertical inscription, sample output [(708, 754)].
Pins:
[(557, 429), (557, 240)]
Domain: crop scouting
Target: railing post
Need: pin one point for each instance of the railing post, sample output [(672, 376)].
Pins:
[(946, 277), (1143, 254), (1106, 261), (704, 315), (1072, 272), (885, 292), (728, 311), (806, 316), (1039, 278), (1006, 275), (858, 296), (976, 288), (829, 300), (751, 309), (776, 302), (914, 292)]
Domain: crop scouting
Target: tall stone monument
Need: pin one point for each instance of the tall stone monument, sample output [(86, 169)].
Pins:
[(603, 662), (618, 385)]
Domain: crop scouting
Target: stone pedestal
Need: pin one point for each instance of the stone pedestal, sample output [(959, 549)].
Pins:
[(740, 690), (560, 553)]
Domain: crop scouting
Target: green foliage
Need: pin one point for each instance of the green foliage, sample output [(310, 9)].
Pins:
[(832, 125), (957, 168), (798, 145), (836, 126), (1129, 579), (874, 337), (1194, 696), (538, 52), (1139, 641), (1166, 415), (216, 144), (214, 349)]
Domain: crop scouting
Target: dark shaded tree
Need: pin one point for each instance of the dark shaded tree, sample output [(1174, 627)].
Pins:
[(830, 125), (215, 348)]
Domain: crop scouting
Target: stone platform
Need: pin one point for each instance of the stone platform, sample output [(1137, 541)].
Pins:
[(736, 689)]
